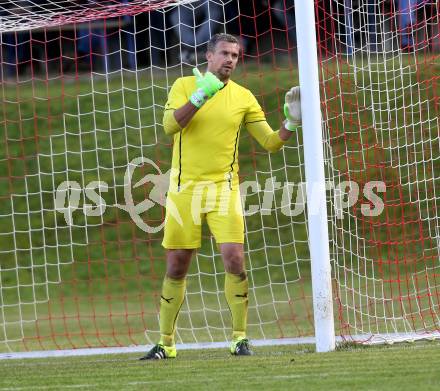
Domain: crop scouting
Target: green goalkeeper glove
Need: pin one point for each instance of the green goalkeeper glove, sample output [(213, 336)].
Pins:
[(292, 109), (207, 86)]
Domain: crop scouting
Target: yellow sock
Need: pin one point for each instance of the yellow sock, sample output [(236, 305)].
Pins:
[(236, 292), (173, 294)]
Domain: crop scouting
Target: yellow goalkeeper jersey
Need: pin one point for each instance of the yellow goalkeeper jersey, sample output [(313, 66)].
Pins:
[(206, 149)]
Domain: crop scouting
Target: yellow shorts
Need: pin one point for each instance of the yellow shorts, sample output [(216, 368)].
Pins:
[(186, 211)]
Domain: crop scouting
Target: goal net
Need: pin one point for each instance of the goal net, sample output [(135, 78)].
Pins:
[(84, 165), (379, 68)]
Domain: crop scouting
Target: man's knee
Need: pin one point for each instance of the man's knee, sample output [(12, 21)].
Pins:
[(234, 260), (178, 263)]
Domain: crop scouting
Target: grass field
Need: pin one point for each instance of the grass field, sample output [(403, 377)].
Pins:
[(386, 368)]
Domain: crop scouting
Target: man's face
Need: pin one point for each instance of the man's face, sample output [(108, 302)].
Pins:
[(223, 60)]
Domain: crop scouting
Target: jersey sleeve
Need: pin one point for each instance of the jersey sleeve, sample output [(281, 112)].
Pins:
[(257, 126), (254, 112), (265, 135), (177, 96), (170, 125), (176, 99)]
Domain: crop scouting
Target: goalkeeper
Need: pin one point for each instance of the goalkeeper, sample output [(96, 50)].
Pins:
[(205, 114)]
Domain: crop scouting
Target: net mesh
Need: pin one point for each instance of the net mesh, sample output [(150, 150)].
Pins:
[(84, 163), (380, 100)]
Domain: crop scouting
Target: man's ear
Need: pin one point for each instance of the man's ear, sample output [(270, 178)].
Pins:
[(208, 56)]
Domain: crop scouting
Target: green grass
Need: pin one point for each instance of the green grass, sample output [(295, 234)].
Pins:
[(387, 368)]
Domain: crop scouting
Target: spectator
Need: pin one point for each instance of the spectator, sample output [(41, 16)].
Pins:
[(17, 52), (95, 38), (286, 17), (157, 21), (194, 24), (407, 11), (90, 41), (16, 45)]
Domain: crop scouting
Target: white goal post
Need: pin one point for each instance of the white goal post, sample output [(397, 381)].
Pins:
[(315, 177)]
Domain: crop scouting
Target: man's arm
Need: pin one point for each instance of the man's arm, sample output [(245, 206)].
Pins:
[(175, 120), (207, 86), (185, 114), (273, 141), (270, 140), (284, 133)]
